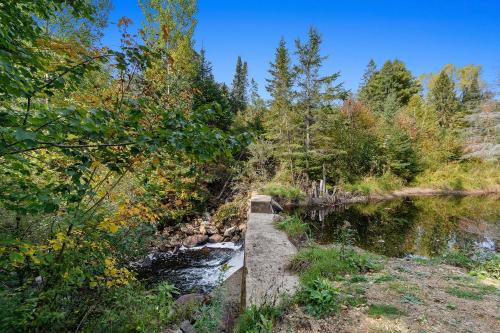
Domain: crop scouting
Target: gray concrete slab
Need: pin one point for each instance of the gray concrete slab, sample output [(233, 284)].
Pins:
[(267, 255)]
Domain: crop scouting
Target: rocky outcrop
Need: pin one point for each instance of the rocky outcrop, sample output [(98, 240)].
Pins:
[(198, 232)]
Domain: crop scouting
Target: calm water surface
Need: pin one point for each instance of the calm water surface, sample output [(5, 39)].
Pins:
[(427, 226)]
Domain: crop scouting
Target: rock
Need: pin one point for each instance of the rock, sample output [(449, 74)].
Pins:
[(235, 238), (210, 230), (186, 327), (229, 232), (195, 240), (242, 227), (203, 230), (215, 238), (188, 229), (173, 330), (206, 216), (190, 300)]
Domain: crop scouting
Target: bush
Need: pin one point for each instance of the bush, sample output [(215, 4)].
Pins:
[(282, 191), (319, 297), (231, 211), (386, 182)]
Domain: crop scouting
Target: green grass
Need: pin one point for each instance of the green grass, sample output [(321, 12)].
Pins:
[(293, 226), (463, 293), (384, 310), (384, 278), (385, 183), (282, 191), (332, 263)]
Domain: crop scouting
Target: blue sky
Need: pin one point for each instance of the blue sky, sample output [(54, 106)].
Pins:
[(424, 34)]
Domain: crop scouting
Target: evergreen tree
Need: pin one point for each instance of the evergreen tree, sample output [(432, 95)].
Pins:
[(442, 97), (393, 85), (471, 91), (314, 91), (279, 121), (239, 96), (370, 71)]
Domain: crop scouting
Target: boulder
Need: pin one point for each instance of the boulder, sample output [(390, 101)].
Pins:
[(188, 229), (242, 227), (215, 238), (210, 230), (190, 300), (235, 238), (195, 240), (229, 232), (186, 327)]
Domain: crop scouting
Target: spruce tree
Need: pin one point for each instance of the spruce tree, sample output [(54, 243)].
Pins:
[(279, 119), (370, 71), (314, 91), (392, 85), (239, 98), (442, 97)]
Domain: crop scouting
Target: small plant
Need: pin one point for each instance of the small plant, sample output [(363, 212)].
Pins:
[(209, 316), (258, 319), (488, 269), (320, 298), (384, 310), (346, 237), (467, 294), (294, 226)]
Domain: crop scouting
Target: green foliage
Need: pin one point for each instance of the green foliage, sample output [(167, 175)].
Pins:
[(319, 297), (384, 183), (282, 191), (258, 319), (294, 226), (463, 175), (390, 88), (239, 95), (331, 263), (490, 268), (443, 98), (384, 310)]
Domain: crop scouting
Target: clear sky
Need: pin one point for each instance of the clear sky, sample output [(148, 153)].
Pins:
[(424, 34)]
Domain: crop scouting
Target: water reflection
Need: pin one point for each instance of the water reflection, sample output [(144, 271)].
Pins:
[(425, 226)]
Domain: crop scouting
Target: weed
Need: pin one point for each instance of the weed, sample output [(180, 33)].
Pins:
[(411, 299), (358, 278), (488, 269), (258, 319), (294, 226), (450, 306), (384, 278), (385, 310), (463, 293), (320, 298)]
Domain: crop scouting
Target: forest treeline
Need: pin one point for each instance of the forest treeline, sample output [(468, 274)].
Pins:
[(101, 148)]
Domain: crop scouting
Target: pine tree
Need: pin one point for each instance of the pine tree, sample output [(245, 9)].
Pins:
[(442, 97), (393, 85), (315, 91), (279, 121), (239, 96), (370, 71)]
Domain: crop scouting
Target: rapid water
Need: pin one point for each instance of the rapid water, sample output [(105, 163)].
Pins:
[(197, 269)]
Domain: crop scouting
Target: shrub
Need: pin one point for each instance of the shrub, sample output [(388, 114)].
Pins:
[(319, 297), (287, 192)]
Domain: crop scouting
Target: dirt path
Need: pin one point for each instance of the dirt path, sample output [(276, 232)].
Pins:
[(407, 296)]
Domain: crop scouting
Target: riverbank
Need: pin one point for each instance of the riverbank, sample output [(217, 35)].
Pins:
[(349, 198), (403, 296)]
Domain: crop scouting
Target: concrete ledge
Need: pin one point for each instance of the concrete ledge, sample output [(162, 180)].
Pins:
[(267, 255), (261, 204)]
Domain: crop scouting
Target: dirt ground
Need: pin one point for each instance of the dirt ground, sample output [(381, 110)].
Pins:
[(426, 298)]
